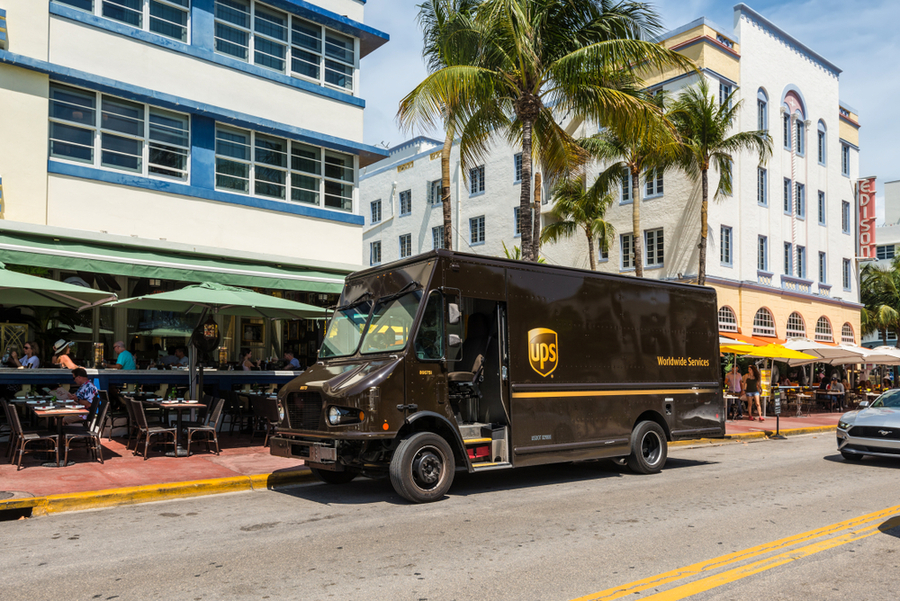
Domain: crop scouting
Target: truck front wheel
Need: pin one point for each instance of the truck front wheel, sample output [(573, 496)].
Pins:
[(648, 448), (422, 467)]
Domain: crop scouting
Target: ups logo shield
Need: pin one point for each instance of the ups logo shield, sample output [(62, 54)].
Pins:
[(543, 350)]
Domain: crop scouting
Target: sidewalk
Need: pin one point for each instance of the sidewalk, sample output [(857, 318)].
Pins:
[(243, 465)]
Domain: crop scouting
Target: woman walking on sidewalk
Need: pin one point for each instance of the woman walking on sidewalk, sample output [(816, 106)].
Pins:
[(751, 389)]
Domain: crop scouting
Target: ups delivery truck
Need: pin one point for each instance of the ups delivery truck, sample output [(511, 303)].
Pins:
[(449, 361)]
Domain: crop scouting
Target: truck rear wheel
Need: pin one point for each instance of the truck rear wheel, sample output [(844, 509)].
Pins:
[(648, 448), (329, 477), (422, 467)]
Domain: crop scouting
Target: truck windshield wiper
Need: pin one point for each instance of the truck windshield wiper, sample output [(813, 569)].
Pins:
[(365, 295), (410, 287)]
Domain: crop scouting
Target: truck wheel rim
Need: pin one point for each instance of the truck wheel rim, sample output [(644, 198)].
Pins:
[(651, 448), (427, 468)]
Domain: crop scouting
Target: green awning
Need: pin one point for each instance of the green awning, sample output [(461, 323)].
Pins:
[(143, 262)]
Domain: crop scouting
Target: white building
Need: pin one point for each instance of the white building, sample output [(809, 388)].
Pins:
[(165, 141), (781, 249)]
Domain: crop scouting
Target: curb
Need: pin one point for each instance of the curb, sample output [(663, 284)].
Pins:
[(155, 492), (760, 435)]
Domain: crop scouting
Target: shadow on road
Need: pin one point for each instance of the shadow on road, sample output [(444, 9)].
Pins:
[(868, 461)]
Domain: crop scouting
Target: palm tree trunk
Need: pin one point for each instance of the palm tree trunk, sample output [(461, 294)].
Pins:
[(536, 216), (704, 227), (590, 241), (525, 224), (445, 191), (637, 238)]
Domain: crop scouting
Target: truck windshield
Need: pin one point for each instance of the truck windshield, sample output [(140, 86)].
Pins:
[(345, 330), (391, 322)]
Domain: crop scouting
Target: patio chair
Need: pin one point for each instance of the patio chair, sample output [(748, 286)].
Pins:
[(23, 439), (265, 414), (113, 415), (92, 435), (236, 410), (209, 428), (146, 431)]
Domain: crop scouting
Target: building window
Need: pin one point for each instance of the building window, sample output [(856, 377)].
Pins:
[(847, 336), (625, 243), (795, 326), (517, 165), (517, 225), (885, 252), (434, 192), (823, 271), (821, 208), (405, 246), (762, 253), (786, 130), (845, 274), (626, 187), (724, 93), (801, 200), (268, 38), (762, 197), (112, 133), (405, 202), (727, 320), (763, 324), (762, 111), (787, 196), (168, 18), (823, 330), (268, 166), (801, 262), (476, 230), (725, 245), (801, 137), (654, 182), (376, 211), (788, 259), (437, 237), (375, 252), (845, 160), (476, 180), (821, 154), (845, 217), (653, 240)]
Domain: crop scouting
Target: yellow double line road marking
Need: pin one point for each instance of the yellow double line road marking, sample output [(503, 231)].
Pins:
[(786, 549)]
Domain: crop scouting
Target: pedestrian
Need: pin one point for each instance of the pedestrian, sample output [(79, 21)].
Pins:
[(735, 383), (752, 382)]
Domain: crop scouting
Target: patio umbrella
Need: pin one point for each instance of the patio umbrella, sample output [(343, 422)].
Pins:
[(882, 355), (28, 290), (776, 351), (824, 353), (211, 298)]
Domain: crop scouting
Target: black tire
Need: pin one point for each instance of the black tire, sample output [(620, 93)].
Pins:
[(329, 477), (851, 456), (648, 448), (422, 467)]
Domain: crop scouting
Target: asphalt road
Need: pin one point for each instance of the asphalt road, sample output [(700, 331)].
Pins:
[(766, 520)]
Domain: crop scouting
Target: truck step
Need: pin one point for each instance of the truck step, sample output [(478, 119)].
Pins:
[(488, 466), (471, 441)]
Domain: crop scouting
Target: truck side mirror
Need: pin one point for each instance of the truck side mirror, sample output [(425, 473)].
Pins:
[(454, 341), (453, 314)]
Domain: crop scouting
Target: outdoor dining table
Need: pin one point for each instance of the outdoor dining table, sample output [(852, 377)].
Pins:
[(59, 411), (178, 406)]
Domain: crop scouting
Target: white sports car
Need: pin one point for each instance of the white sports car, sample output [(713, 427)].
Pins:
[(872, 430)]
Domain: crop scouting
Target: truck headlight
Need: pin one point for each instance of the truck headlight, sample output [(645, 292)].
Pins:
[(344, 415), (280, 406)]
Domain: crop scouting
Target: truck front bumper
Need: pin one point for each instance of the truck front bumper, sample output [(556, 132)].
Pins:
[(318, 452)]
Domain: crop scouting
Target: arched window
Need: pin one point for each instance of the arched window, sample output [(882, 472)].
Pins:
[(762, 110), (727, 320), (796, 328), (847, 336), (823, 330), (763, 323), (822, 154)]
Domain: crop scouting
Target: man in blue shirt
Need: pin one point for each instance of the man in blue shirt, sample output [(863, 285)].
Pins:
[(124, 359), (291, 361)]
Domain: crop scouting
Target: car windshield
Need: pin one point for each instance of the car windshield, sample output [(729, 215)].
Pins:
[(345, 330), (890, 398), (391, 322)]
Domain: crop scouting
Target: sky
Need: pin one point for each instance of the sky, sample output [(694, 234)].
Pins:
[(860, 37)]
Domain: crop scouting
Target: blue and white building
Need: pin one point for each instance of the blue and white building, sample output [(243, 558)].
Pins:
[(184, 140)]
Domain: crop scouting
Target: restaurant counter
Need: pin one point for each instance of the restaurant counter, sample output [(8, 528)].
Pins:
[(223, 380)]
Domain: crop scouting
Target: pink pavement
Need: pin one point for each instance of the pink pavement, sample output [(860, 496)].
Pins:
[(790, 424)]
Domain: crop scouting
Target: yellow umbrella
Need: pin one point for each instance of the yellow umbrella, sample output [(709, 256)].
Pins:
[(774, 351)]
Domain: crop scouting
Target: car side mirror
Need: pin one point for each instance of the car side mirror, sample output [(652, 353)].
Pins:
[(454, 341), (863, 404), (453, 314)]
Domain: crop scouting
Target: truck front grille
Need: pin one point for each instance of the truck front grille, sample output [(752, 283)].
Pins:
[(304, 410)]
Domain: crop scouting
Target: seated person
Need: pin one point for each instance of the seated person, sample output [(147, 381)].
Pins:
[(180, 358), (836, 386), (291, 362), (84, 395), (30, 359), (61, 356), (124, 359)]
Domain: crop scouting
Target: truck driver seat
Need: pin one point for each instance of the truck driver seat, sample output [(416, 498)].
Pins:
[(464, 392)]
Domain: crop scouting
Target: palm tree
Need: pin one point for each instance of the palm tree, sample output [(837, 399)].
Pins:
[(703, 124), (582, 209), (579, 57), (632, 152), (880, 296)]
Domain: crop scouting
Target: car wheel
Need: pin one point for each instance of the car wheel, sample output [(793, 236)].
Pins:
[(422, 467), (648, 448), (851, 456), (329, 477)]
